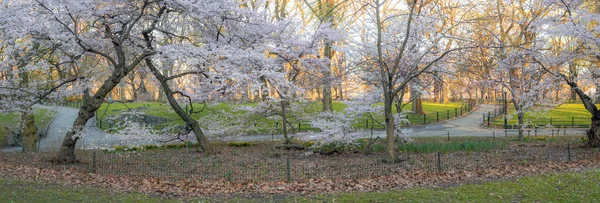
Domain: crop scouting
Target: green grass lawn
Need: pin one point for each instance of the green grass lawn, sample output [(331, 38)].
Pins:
[(551, 187), (565, 114), (434, 112), (13, 190)]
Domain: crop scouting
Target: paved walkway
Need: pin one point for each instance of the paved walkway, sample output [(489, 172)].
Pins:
[(62, 122), (468, 125)]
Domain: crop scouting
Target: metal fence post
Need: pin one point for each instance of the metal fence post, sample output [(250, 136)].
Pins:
[(437, 116), (455, 112), (572, 122), (289, 178), (439, 161), (448, 135), (569, 151), (447, 113), (93, 162), (488, 119), (424, 119)]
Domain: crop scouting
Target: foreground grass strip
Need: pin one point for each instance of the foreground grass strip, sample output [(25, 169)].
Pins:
[(551, 187), (13, 190)]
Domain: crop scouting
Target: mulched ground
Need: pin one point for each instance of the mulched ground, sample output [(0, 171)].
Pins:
[(263, 169)]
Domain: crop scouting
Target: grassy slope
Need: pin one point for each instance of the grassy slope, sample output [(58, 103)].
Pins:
[(165, 111), (552, 187), (561, 115)]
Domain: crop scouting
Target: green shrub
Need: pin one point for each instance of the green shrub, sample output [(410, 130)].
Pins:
[(467, 146), (241, 144), (153, 147), (336, 147), (3, 139)]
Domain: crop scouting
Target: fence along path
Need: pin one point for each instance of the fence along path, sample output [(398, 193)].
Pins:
[(468, 125)]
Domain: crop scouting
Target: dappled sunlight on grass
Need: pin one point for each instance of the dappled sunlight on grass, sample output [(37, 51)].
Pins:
[(164, 110), (565, 114)]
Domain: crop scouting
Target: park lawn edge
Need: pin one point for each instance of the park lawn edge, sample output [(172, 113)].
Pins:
[(578, 186)]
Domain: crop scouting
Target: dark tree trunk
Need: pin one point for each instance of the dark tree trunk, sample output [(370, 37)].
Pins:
[(417, 106), (340, 91), (284, 122), (593, 133), (390, 127), (417, 103), (29, 136), (327, 100), (597, 93), (87, 111), (521, 118), (134, 95), (189, 121), (399, 99), (264, 89), (438, 90), (92, 103)]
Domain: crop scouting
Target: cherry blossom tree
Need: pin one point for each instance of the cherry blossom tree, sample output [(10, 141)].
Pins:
[(217, 43), (575, 25), (403, 45)]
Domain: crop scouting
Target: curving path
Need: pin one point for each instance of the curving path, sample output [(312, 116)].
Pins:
[(468, 125), (62, 122)]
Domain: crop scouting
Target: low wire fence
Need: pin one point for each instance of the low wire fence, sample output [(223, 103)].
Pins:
[(242, 165), (549, 122), (275, 126)]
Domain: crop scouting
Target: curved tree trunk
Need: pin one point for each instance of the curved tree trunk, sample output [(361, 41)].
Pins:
[(189, 121), (593, 133), (86, 112)]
